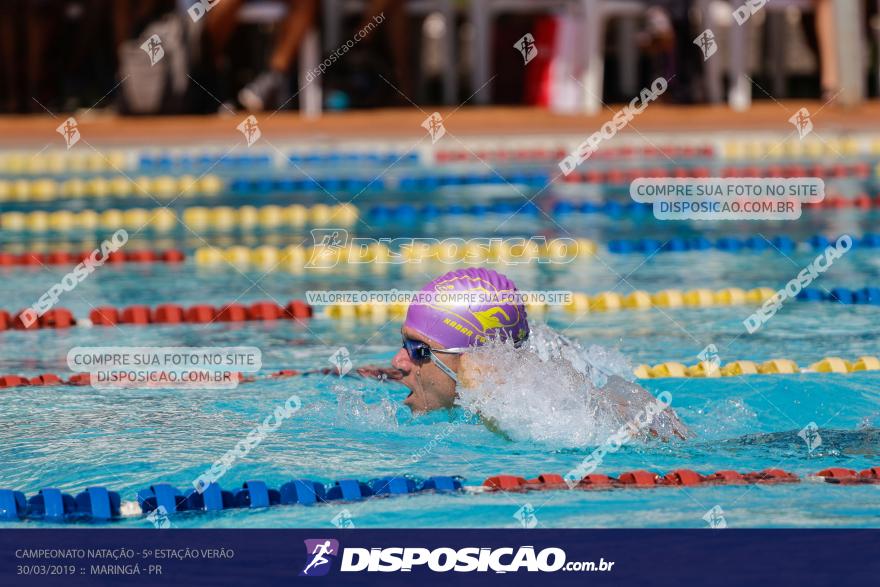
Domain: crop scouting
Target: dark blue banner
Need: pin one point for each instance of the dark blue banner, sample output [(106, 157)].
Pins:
[(467, 557)]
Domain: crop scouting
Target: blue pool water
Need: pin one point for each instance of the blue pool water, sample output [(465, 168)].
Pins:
[(73, 437)]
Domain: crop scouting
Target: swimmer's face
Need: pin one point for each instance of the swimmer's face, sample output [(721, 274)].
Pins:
[(430, 388)]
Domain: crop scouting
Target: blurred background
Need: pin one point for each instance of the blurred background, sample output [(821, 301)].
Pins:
[(209, 56)]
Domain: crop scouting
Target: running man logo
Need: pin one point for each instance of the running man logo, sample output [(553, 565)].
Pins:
[(488, 319), (319, 555), (526, 46), (715, 518), (68, 129), (343, 520), (327, 247), (526, 516), (153, 48), (341, 359), (810, 434), (706, 43), (159, 518), (802, 122), (434, 125), (250, 130), (710, 359)]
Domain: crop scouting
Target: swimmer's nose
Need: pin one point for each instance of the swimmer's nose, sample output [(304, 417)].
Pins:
[(402, 361)]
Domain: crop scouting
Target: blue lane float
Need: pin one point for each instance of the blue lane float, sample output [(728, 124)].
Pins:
[(194, 161), (50, 504), (166, 163), (305, 184), (841, 295), (99, 504), (732, 244)]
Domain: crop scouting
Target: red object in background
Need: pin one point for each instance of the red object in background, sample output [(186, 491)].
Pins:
[(135, 315), (168, 314), (116, 257), (639, 478), (61, 258), (104, 316), (45, 379), (201, 314), (173, 256), (299, 309), (33, 259), (265, 311), (57, 318), (505, 482), (232, 313), (19, 324), (140, 256), (537, 79), (13, 381)]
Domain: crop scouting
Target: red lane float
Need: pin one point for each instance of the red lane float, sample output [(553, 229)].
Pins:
[(34, 259), (79, 379), (679, 478), (620, 176), (163, 314)]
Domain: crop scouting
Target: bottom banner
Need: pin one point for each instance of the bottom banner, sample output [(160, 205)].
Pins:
[(468, 557)]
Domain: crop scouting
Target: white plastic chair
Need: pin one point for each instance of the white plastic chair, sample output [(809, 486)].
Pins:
[(740, 92), (336, 10), (595, 14)]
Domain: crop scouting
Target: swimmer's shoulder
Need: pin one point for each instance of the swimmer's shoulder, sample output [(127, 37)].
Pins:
[(474, 371)]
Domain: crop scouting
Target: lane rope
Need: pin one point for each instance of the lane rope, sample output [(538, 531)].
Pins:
[(161, 314), (221, 218), (37, 259), (99, 504), (668, 369)]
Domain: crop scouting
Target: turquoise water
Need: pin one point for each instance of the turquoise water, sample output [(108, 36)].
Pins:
[(73, 437)]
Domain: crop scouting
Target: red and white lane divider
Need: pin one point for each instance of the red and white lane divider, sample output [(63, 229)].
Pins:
[(81, 379), (34, 259), (677, 478), (161, 314)]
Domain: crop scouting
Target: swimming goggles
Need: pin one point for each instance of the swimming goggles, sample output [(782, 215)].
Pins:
[(420, 351)]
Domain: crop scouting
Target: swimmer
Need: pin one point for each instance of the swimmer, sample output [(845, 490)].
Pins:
[(437, 337)]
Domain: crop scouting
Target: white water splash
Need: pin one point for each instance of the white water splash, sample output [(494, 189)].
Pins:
[(554, 391), (354, 413)]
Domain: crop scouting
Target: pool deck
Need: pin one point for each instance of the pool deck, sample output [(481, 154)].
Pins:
[(101, 128)]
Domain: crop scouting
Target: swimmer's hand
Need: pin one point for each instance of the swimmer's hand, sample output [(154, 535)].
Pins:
[(627, 396)]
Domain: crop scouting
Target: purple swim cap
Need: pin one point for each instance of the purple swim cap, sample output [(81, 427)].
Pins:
[(462, 323)]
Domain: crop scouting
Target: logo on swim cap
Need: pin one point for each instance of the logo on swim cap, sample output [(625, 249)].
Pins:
[(489, 318), (470, 320)]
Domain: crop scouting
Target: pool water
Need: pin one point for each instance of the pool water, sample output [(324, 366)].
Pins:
[(126, 440)]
